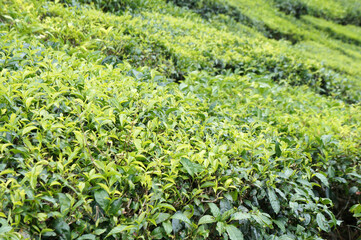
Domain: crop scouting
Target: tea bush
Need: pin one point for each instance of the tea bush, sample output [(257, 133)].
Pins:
[(162, 124), (281, 26), (339, 11)]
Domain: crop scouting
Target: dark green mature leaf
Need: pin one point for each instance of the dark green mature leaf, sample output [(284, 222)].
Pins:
[(206, 219), (278, 149), (275, 203), (162, 217), (166, 206), (180, 216), (115, 206), (322, 178), (62, 228), (176, 225), (322, 222), (102, 198), (234, 233), (119, 229), (87, 237), (241, 216), (190, 167), (214, 210), (157, 233), (285, 237), (4, 226), (167, 227)]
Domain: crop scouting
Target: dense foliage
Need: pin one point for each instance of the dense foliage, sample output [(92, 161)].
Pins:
[(169, 119)]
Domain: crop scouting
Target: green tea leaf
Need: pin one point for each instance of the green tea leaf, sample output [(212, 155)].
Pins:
[(166, 206), (102, 198), (119, 229), (278, 149), (99, 231), (234, 233), (241, 216), (28, 129), (215, 210), (87, 237), (322, 178), (190, 167), (162, 217), (5, 229), (274, 200), (181, 217), (285, 237), (206, 219), (62, 228), (322, 222), (167, 227), (138, 144)]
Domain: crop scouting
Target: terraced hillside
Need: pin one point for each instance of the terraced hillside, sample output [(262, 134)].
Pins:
[(170, 119)]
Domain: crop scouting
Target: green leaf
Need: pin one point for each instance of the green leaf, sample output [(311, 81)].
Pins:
[(278, 149), (215, 210), (171, 110), (241, 216), (4, 226), (322, 222), (162, 217), (87, 237), (226, 214), (167, 227), (208, 184), (221, 227), (34, 175), (322, 178), (356, 208), (28, 101), (266, 219), (234, 233), (285, 237), (4, 146), (65, 203), (119, 229), (28, 129), (190, 167), (167, 206), (157, 233), (102, 198), (62, 228), (275, 204), (138, 144), (115, 206), (79, 137), (181, 217), (176, 225), (280, 225), (206, 219), (99, 231)]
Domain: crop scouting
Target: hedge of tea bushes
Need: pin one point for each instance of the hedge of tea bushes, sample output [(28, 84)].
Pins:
[(340, 11), (98, 141), (121, 154), (349, 33), (275, 24), (154, 39)]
